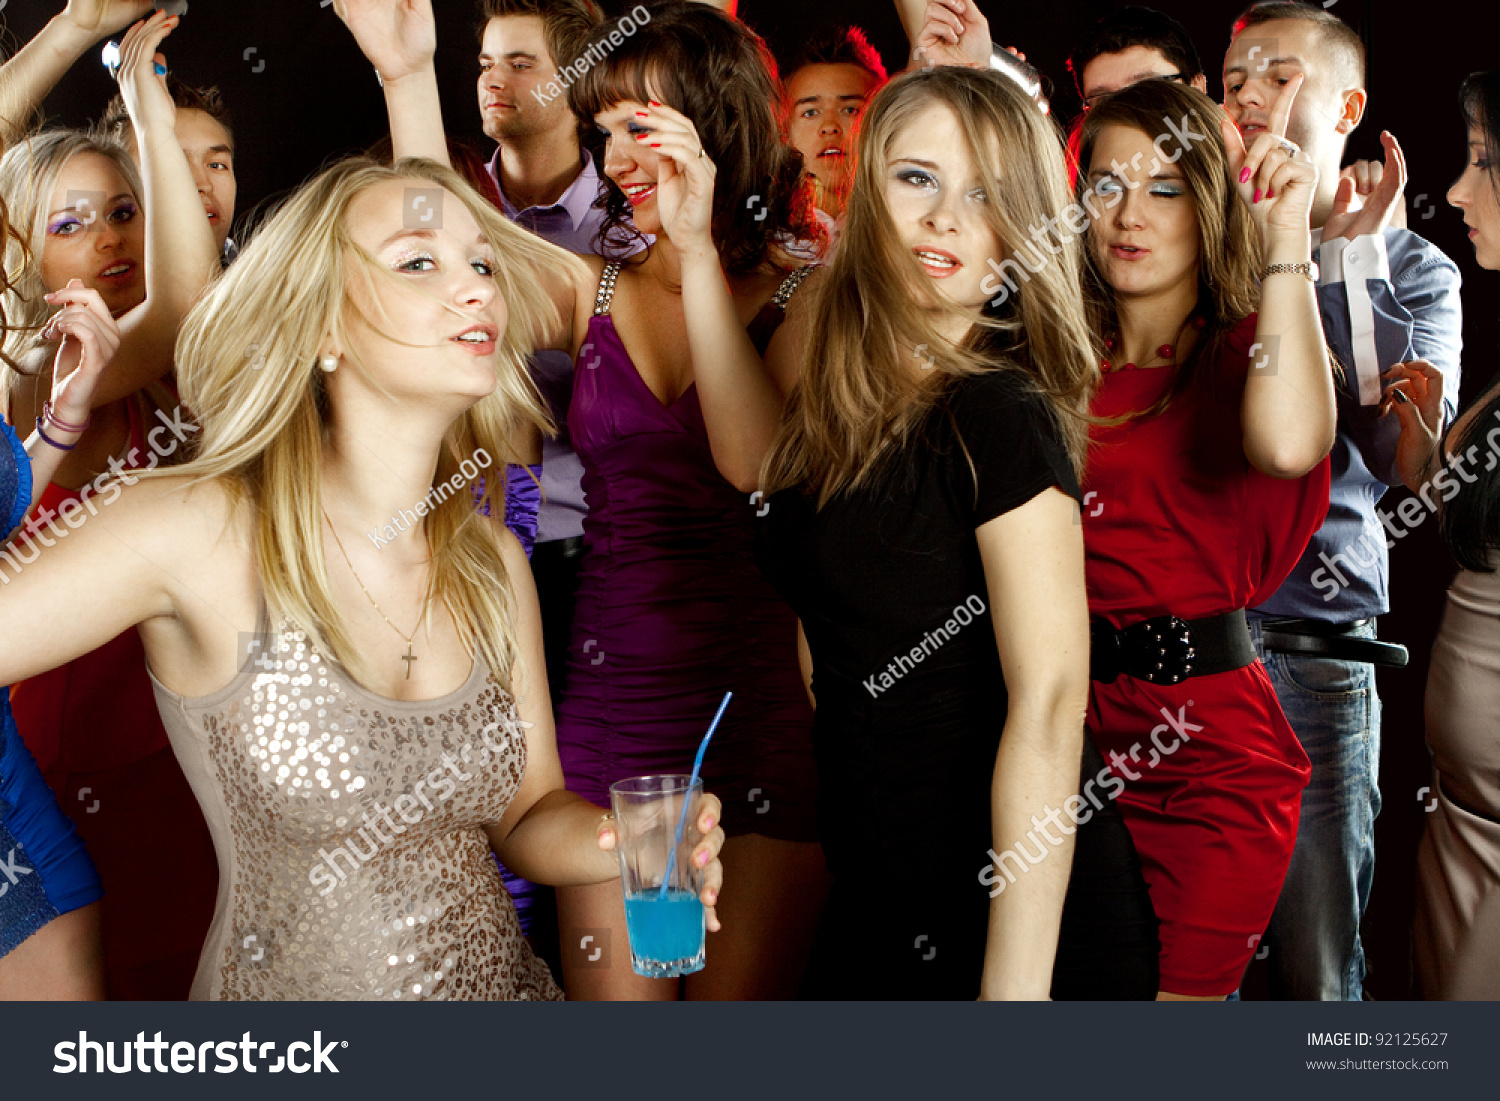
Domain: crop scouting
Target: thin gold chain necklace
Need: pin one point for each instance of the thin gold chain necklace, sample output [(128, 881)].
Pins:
[(407, 657)]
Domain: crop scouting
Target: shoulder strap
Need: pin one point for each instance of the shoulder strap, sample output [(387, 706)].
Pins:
[(606, 293), (790, 284)]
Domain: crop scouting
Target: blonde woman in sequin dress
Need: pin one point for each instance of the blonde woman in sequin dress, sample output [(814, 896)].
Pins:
[(347, 656)]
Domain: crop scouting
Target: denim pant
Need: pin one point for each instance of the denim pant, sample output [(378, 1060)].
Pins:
[(1312, 945)]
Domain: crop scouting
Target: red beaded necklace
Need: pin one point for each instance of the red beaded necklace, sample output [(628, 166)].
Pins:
[(1165, 351)]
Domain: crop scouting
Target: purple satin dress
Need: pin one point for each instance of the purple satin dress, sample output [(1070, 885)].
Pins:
[(672, 610)]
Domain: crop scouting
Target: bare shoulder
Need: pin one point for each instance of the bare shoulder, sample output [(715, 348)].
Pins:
[(187, 527), (511, 551), (180, 504), (784, 354)]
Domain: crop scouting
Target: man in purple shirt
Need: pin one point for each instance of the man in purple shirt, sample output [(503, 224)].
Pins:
[(548, 183)]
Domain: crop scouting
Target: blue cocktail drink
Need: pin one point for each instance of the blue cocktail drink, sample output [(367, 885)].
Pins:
[(664, 915), (666, 934)]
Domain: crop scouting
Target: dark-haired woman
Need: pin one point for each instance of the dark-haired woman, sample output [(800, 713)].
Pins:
[(1458, 863), (671, 610), (1206, 479)]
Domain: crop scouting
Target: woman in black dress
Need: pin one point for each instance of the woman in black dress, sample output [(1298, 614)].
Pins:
[(923, 522)]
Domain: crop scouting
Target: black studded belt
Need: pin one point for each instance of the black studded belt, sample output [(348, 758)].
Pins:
[(1168, 650)]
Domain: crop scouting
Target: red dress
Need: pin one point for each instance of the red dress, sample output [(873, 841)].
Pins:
[(1177, 521), (95, 731)]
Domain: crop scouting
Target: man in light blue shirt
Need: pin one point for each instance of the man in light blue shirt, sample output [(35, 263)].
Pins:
[(1386, 296)]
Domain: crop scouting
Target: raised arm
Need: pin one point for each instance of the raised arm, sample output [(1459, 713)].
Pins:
[(1033, 569), (181, 257), (40, 64), (399, 37), (945, 32), (741, 402), (1288, 414)]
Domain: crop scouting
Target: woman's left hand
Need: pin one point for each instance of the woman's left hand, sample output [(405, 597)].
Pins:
[(684, 177), (1275, 178), (90, 338), (705, 853), (142, 77)]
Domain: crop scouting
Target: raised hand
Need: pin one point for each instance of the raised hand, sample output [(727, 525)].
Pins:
[(90, 338), (1274, 177), (1383, 200), (143, 82), (684, 176), (398, 37), (954, 32), (102, 17), (1416, 394)]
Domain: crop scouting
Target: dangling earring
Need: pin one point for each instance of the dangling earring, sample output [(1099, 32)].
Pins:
[(329, 363)]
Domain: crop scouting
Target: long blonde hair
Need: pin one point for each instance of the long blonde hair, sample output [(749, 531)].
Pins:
[(247, 363), (29, 172), (857, 398)]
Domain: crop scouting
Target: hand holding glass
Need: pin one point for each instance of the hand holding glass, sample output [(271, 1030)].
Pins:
[(664, 914)]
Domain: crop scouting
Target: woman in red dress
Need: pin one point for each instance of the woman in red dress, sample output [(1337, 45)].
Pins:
[(1206, 478)]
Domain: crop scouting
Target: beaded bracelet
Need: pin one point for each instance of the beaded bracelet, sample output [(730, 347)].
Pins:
[(49, 440), (49, 415)]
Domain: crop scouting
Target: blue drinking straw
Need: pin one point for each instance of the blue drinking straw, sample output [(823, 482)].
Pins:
[(682, 819)]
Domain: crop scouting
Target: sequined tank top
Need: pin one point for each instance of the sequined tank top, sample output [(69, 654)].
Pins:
[(353, 862)]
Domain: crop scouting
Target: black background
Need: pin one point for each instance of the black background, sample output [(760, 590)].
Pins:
[(315, 98)]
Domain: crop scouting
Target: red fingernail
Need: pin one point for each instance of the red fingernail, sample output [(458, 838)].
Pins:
[(640, 114), (1257, 196), (1270, 194), (656, 145), (1245, 175), (654, 103)]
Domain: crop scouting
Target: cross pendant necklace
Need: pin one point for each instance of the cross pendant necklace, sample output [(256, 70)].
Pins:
[(407, 657)]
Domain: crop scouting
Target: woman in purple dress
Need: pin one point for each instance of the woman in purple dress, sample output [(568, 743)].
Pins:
[(672, 611)]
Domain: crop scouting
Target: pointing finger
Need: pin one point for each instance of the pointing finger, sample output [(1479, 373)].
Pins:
[(1281, 110)]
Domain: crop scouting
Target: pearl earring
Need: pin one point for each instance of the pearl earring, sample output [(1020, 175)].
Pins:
[(329, 363)]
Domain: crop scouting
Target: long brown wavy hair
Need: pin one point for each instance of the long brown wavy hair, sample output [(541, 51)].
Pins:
[(858, 399), (719, 73), (1229, 254)]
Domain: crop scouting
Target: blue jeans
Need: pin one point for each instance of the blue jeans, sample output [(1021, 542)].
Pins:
[(1312, 944)]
